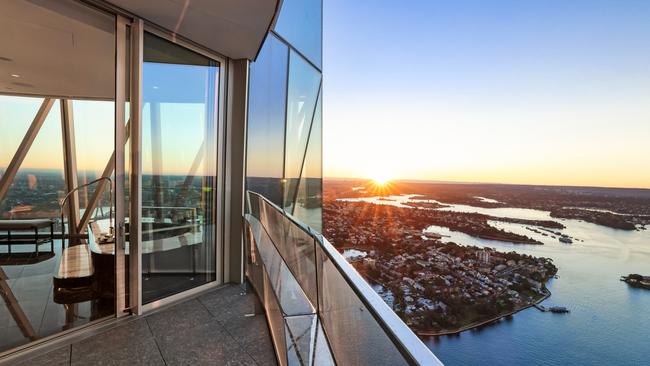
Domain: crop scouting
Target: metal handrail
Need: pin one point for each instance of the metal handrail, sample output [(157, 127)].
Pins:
[(409, 345), (110, 207)]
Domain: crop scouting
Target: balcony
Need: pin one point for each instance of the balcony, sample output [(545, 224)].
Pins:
[(216, 328), (320, 311)]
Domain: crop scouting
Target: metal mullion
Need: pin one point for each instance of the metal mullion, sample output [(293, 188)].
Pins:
[(220, 150), (135, 181), (224, 220), (121, 135), (208, 150)]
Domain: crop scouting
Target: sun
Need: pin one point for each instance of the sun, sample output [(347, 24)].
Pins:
[(380, 178)]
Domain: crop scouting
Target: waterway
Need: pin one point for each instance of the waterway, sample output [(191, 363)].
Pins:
[(609, 323)]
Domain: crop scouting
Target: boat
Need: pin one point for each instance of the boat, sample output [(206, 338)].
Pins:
[(638, 281), (558, 309)]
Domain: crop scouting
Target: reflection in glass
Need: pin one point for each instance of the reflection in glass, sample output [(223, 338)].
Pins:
[(299, 23), (178, 169), (355, 336), (93, 121), (304, 82), (308, 205), (48, 284), (38, 185), (266, 114), (285, 286)]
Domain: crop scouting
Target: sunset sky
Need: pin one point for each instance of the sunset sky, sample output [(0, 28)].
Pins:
[(505, 91), (543, 92), (93, 122)]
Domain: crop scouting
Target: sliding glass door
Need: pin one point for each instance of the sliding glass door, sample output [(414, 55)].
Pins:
[(179, 163), (81, 170)]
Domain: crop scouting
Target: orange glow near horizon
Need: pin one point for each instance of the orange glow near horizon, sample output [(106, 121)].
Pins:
[(380, 178), (376, 188), (535, 153)]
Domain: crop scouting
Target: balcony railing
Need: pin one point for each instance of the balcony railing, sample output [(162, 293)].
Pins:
[(320, 311)]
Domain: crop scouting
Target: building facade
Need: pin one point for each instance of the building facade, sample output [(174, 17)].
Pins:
[(285, 114), (152, 151)]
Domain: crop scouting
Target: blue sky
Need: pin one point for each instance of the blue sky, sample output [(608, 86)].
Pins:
[(549, 92)]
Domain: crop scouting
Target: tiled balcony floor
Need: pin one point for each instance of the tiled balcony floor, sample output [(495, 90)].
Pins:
[(212, 329)]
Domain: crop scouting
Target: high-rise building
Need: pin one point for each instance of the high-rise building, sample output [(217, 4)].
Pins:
[(161, 190)]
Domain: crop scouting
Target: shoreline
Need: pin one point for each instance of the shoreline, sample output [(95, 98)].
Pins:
[(484, 322), (520, 242), (473, 325)]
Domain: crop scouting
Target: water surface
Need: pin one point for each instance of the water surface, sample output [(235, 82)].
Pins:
[(609, 323)]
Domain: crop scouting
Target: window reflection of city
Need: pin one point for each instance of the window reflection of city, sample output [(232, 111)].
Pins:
[(52, 277), (178, 161)]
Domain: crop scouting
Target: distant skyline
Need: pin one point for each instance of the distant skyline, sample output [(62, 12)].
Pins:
[(525, 92)]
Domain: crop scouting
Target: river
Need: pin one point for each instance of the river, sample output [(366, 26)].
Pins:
[(609, 323)]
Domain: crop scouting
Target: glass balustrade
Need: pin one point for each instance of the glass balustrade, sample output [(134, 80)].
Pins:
[(320, 311)]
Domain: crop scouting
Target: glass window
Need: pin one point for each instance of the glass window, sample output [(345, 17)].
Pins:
[(57, 84), (266, 116), (304, 81), (38, 185), (93, 121), (309, 200), (300, 23), (179, 123)]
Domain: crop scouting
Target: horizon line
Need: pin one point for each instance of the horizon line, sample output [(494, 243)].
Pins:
[(409, 180), (406, 180)]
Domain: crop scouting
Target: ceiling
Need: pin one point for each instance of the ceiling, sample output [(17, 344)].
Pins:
[(56, 48), (233, 28), (63, 48)]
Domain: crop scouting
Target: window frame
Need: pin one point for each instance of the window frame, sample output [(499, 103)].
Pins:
[(220, 153)]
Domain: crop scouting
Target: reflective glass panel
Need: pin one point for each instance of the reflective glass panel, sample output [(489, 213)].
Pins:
[(304, 82), (179, 122), (93, 121), (286, 287), (300, 23), (57, 82), (356, 338), (266, 112), (35, 190), (308, 206)]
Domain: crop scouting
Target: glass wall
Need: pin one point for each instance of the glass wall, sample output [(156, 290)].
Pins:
[(57, 122), (266, 119), (179, 122), (304, 82), (300, 23), (93, 121), (285, 114), (309, 197)]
